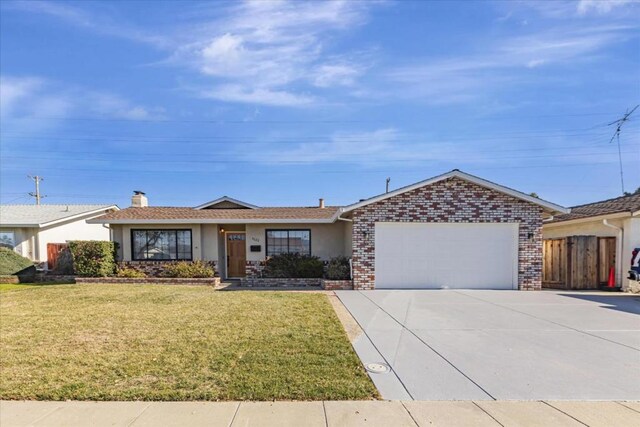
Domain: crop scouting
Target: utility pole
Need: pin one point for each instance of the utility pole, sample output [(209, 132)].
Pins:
[(37, 195), (388, 181), (616, 135)]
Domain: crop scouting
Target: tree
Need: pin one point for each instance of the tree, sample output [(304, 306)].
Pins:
[(627, 193)]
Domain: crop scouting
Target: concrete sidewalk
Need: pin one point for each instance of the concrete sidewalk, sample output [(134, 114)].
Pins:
[(321, 414)]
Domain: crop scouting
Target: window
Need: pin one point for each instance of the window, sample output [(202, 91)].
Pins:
[(287, 241), (7, 239), (161, 245)]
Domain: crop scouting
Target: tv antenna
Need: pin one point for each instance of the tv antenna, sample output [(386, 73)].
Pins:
[(616, 135)]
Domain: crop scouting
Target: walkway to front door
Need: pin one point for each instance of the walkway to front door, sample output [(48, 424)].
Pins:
[(236, 254)]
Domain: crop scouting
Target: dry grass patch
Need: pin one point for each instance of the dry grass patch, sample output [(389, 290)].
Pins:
[(154, 342)]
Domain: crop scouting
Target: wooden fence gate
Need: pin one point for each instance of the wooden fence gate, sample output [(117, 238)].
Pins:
[(577, 262), (53, 252)]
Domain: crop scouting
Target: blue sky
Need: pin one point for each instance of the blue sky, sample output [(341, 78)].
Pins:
[(280, 103)]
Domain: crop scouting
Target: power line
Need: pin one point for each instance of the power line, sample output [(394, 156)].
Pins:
[(343, 158), (109, 172), (251, 121)]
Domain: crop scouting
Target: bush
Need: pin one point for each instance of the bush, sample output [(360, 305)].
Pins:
[(293, 265), (13, 263), (130, 273), (338, 269), (189, 270), (64, 263), (93, 258)]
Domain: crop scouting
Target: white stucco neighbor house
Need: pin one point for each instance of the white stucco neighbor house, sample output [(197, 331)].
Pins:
[(614, 220), (453, 230), (28, 229)]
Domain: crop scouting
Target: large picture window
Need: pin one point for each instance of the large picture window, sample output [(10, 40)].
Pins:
[(161, 245), (288, 241)]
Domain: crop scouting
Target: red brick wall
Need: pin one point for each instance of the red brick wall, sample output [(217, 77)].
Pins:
[(451, 200)]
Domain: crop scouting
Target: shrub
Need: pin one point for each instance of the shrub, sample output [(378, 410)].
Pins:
[(92, 258), (130, 273), (189, 269), (293, 265), (338, 269), (64, 263), (13, 263)]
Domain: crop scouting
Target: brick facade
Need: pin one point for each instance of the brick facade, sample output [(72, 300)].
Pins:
[(254, 269), (337, 285), (450, 200), (208, 281)]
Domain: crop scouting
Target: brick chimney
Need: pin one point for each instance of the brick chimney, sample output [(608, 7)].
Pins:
[(139, 200), (321, 203)]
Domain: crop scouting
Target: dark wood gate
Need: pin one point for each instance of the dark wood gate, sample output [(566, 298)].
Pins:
[(53, 252)]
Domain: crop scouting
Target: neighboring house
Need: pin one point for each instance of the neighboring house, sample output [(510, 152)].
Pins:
[(29, 229), (607, 228), (451, 231)]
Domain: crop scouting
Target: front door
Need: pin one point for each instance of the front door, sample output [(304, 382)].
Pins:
[(236, 254)]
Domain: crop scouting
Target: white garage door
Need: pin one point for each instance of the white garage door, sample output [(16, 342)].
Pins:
[(446, 256)]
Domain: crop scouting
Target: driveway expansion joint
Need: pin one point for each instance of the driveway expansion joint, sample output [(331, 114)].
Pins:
[(431, 348)]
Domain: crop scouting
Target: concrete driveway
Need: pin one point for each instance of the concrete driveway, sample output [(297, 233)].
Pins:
[(503, 345)]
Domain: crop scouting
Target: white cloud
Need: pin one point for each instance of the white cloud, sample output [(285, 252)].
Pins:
[(34, 98), (267, 52), (99, 23), (264, 96), (459, 79), (327, 75), (599, 6)]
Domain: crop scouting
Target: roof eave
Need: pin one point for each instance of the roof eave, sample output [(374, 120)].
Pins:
[(60, 220), (78, 216), (215, 221), (550, 207), (595, 218)]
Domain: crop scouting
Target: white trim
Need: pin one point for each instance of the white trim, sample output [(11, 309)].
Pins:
[(597, 218), (465, 176), (226, 263), (215, 221), (226, 199)]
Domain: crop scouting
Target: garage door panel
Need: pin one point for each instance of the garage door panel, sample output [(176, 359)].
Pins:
[(446, 255)]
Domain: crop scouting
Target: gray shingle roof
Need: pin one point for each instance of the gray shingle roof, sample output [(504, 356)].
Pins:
[(33, 215)]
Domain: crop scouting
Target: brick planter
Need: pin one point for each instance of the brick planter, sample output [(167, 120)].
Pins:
[(337, 285), (155, 268), (264, 282), (209, 281), (9, 279)]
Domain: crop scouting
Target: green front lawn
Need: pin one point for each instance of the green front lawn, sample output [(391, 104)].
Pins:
[(159, 342)]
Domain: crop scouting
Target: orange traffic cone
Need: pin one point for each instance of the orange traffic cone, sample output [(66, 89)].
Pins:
[(612, 278)]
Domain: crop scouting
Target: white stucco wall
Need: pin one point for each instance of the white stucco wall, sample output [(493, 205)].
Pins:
[(32, 242), (24, 240), (327, 240), (72, 230), (630, 238)]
